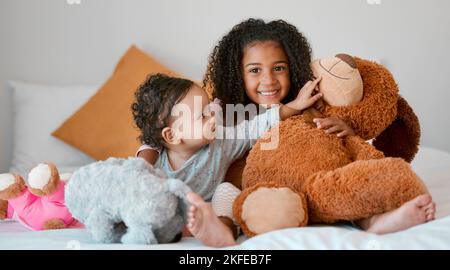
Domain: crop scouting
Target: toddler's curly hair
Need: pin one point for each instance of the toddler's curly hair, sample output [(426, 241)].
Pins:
[(153, 104), (224, 73)]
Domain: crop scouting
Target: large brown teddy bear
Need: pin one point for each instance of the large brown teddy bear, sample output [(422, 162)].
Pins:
[(315, 177)]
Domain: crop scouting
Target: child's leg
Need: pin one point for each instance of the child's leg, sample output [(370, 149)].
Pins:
[(204, 222), (231, 225), (414, 212), (225, 220)]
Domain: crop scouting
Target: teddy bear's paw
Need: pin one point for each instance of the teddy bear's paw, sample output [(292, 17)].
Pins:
[(43, 179), (269, 209), (54, 224), (11, 186), (3, 209)]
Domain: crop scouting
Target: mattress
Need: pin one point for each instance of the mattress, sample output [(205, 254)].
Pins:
[(432, 165)]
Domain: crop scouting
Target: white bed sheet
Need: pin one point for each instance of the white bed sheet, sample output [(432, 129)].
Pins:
[(431, 164)]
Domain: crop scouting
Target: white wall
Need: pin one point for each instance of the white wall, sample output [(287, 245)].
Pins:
[(50, 41)]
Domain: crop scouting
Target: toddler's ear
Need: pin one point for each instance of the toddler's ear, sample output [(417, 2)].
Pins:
[(170, 136)]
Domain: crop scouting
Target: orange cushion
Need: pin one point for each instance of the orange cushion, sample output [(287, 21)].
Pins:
[(104, 126)]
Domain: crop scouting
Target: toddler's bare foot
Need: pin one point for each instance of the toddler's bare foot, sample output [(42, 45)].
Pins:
[(419, 210), (205, 225)]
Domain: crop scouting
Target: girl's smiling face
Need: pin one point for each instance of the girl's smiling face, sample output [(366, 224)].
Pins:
[(265, 70)]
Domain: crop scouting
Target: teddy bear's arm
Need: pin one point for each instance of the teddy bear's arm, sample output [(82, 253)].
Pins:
[(361, 150)]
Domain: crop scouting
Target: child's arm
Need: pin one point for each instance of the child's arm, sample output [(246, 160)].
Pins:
[(334, 125), (304, 100), (249, 130), (149, 155)]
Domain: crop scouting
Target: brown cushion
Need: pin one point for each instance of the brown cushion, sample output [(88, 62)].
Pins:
[(104, 126)]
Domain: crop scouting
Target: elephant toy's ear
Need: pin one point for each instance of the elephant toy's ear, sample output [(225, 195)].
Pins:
[(401, 138)]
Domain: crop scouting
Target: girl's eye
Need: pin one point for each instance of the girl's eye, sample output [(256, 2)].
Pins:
[(279, 68), (254, 70)]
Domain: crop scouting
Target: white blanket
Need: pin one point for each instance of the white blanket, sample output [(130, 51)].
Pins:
[(430, 164)]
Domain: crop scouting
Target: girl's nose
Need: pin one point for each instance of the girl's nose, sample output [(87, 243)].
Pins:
[(268, 78)]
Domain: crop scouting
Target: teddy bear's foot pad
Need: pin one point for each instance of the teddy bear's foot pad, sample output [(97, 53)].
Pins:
[(11, 186), (268, 209), (43, 179), (54, 224)]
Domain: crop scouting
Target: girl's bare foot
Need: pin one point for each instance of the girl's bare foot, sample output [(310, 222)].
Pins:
[(419, 210), (205, 225)]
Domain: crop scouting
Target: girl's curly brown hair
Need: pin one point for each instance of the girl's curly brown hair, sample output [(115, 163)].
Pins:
[(153, 104), (224, 73)]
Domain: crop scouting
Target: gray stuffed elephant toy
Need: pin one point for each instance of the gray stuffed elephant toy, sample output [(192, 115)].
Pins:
[(128, 201)]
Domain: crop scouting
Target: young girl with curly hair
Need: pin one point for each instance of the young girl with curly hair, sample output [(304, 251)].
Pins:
[(255, 63)]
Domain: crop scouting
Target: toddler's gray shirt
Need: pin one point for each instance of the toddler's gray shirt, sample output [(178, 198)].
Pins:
[(206, 169)]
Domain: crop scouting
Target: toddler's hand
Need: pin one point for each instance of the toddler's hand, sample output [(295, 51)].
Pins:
[(334, 125), (305, 97)]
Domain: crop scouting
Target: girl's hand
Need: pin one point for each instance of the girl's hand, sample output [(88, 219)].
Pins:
[(304, 100), (334, 125), (305, 97)]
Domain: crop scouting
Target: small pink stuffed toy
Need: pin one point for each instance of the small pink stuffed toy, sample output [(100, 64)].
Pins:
[(37, 204)]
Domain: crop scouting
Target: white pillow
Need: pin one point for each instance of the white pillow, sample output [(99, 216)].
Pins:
[(38, 111)]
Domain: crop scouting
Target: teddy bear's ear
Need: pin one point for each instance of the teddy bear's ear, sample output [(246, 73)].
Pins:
[(401, 138)]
